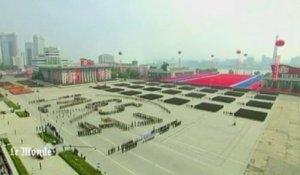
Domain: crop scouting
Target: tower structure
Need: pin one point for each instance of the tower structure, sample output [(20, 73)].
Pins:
[(276, 59)]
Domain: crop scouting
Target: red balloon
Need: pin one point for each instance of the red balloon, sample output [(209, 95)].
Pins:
[(279, 43)]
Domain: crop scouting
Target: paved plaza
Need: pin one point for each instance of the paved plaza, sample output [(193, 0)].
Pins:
[(205, 143)]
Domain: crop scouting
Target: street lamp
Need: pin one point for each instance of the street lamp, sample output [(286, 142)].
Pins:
[(212, 61), (238, 52), (243, 64), (120, 64), (42, 134), (179, 59)]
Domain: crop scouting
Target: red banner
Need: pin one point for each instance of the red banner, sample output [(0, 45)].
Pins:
[(86, 62), (286, 69)]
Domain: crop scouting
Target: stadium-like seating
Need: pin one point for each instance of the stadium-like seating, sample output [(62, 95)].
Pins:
[(248, 82), (255, 86), (185, 77), (220, 80), (236, 81)]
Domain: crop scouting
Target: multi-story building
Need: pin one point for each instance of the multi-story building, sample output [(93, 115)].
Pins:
[(28, 53), (75, 74), (9, 48), (106, 59), (52, 55), (266, 61), (288, 78), (295, 61), (19, 61), (39, 61), (38, 46), (249, 62)]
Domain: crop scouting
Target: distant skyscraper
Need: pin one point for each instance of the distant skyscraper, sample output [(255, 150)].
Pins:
[(134, 62), (52, 55), (266, 61), (106, 59), (29, 53), (295, 61), (38, 46), (9, 48), (19, 61), (249, 62)]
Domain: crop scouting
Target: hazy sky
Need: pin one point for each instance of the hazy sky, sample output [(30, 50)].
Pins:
[(151, 29)]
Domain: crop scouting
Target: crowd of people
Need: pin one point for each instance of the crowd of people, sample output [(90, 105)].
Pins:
[(144, 138), (148, 119), (81, 116), (74, 102), (97, 104), (119, 108), (51, 130), (119, 124), (88, 129), (44, 108), (142, 100), (106, 125), (36, 101), (4, 166)]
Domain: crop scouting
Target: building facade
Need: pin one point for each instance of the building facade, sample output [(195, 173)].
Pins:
[(9, 48), (106, 59), (52, 55), (19, 61), (295, 61), (288, 78), (39, 61), (38, 46), (28, 53), (75, 75)]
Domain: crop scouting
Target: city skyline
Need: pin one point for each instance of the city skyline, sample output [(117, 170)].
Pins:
[(158, 29)]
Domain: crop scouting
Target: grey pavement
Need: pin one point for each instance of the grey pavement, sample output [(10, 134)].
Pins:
[(205, 143)]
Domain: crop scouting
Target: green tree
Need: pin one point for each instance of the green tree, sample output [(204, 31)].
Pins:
[(131, 73), (114, 73), (37, 75), (164, 66), (8, 67), (256, 73)]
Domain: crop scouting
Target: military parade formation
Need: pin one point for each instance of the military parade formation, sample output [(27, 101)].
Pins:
[(86, 129)]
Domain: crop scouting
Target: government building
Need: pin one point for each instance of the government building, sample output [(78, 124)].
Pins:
[(288, 78), (74, 74)]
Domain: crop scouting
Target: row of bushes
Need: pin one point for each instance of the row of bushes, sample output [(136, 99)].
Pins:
[(16, 160), (78, 164), (22, 114), (12, 104), (48, 138)]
